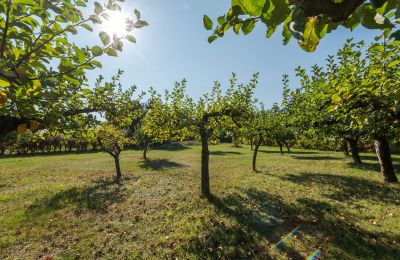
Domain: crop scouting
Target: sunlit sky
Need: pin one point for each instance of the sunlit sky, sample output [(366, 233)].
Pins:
[(174, 46)]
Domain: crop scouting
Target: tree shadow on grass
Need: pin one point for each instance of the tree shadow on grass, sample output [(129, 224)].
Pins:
[(316, 158), (373, 166), (268, 151), (375, 158), (258, 217), (224, 153), (174, 147), (347, 188), (159, 164), (97, 197), (262, 219)]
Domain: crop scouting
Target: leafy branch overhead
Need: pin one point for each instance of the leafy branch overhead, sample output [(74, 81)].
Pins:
[(39, 63), (308, 21)]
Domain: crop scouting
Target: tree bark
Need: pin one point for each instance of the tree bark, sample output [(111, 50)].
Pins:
[(257, 145), (354, 150), (146, 147), (346, 148), (280, 147), (383, 152), (205, 154), (117, 167), (287, 147)]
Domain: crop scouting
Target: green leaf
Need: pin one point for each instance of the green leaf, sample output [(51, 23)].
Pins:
[(248, 26), (95, 19), (96, 63), (86, 91), (24, 2), (212, 38), (104, 38), (393, 63), (4, 83), (97, 50), (131, 38), (140, 24), (111, 52), (251, 7), (137, 14), (310, 36), (371, 19), (208, 24), (98, 8), (87, 27), (81, 3)]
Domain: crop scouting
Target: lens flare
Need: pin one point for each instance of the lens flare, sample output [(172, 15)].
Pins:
[(291, 233)]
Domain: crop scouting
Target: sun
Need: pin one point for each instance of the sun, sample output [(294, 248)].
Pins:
[(115, 24)]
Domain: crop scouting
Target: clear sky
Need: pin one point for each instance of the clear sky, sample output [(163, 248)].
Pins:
[(174, 46)]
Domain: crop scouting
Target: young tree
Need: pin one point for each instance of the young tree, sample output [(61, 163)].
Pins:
[(35, 36), (307, 21), (180, 115), (112, 140)]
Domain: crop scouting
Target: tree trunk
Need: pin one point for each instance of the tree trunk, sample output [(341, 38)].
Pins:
[(117, 167), (257, 145), (280, 147), (383, 152), (287, 147), (205, 154), (146, 147), (346, 148), (354, 150)]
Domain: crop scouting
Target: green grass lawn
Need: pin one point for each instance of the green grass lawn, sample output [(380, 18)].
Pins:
[(68, 206)]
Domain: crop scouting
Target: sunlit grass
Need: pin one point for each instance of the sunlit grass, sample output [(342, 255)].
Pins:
[(69, 206)]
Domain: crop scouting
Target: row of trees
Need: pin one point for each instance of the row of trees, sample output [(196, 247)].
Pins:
[(354, 95)]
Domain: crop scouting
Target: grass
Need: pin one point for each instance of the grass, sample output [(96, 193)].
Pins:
[(68, 206)]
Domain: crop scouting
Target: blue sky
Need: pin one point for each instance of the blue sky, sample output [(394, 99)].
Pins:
[(175, 46)]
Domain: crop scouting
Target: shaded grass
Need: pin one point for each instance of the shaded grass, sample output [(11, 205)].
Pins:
[(159, 164), (69, 206)]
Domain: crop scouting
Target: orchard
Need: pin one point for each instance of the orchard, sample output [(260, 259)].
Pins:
[(93, 165)]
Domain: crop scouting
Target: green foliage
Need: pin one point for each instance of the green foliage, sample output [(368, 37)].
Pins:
[(39, 64), (179, 116), (355, 94), (111, 139), (306, 21)]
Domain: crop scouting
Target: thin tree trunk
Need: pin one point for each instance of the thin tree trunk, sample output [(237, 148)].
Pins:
[(383, 152), (287, 147), (280, 147), (346, 148), (354, 150), (146, 147), (205, 154), (117, 167), (257, 145)]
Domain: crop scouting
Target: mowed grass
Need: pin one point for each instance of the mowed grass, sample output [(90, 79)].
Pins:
[(69, 207)]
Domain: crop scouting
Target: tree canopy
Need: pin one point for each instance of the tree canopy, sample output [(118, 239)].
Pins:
[(41, 65), (307, 21)]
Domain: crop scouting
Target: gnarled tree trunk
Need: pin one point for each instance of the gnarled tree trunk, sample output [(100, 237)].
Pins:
[(383, 152), (205, 154), (354, 150)]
